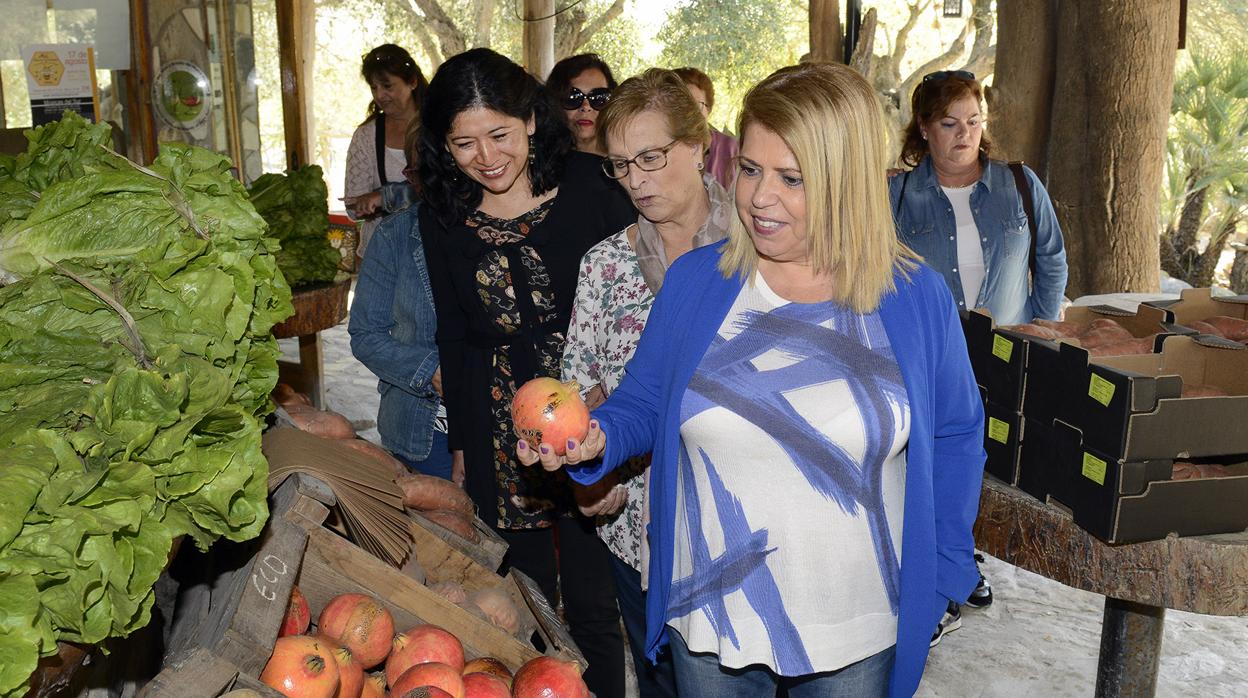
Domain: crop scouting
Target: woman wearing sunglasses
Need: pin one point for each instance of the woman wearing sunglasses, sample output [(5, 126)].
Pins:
[(655, 136), (965, 214), (507, 213), (582, 85)]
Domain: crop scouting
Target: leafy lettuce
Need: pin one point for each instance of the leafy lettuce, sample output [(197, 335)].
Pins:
[(136, 358), (296, 207)]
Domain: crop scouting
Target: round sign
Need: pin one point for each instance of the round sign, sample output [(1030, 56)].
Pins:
[(181, 95)]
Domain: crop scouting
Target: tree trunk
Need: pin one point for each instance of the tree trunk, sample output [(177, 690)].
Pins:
[(1111, 105), (1022, 85), (1239, 270), (539, 37), (825, 31), (1207, 263)]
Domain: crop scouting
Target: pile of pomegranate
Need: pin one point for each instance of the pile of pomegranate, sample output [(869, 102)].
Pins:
[(355, 633)]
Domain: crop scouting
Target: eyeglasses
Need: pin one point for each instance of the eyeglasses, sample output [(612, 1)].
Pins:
[(646, 161), (598, 98), (942, 75)]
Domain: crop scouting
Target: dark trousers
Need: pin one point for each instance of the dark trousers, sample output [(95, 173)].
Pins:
[(653, 680), (588, 589)]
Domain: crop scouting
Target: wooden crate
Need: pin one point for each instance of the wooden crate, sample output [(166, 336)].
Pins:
[(201, 674), (235, 616), (488, 553)]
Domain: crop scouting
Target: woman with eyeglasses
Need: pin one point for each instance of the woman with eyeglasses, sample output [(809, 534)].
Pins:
[(965, 213), (815, 428), (582, 85), (655, 136), (376, 156), (392, 333), (507, 213)]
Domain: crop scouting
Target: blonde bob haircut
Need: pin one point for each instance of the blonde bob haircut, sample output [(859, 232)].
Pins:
[(830, 118), (660, 91)]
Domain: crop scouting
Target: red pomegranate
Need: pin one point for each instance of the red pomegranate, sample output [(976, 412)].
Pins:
[(547, 677), (435, 674), (547, 411), (374, 686), (482, 685), (301, 667), (350, 673), (424, 692), (489, 665), (361, 624), (423, 643), (298, 615)]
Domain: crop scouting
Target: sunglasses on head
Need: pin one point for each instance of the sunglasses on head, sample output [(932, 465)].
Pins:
[(942, 75), (598, 98)]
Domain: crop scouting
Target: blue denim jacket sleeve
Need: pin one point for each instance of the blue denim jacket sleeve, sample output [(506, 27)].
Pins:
[(409, 367), (1049, 280), (396, 196)]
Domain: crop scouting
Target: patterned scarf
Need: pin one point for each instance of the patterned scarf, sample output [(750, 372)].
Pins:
[(651, 256)]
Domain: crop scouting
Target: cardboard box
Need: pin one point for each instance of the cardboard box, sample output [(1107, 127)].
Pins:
[(1002, 429), (1199, 304), (1122, 501), (1038, 474), (998, 357), (1129, 407)]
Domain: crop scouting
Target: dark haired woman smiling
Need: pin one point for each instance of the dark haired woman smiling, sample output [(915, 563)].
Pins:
[(509, 210)]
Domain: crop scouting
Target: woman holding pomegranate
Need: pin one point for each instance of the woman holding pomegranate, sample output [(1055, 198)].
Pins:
[(655, 138), (805, 391), (508, 211)]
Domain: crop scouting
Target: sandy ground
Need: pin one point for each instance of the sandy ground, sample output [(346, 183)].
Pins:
[(1039, 638)]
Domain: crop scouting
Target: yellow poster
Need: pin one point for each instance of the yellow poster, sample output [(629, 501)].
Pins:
[(61, 77)]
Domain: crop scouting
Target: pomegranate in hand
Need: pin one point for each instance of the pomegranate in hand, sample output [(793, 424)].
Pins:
[(547, 411)]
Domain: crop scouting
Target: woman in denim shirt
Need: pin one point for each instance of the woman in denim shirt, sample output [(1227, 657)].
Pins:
[(963, 213), (392, 325)]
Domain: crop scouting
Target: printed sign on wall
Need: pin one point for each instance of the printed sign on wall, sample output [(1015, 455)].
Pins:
[(61, 77)]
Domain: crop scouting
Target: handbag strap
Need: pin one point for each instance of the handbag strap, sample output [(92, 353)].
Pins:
[(1024, 191)]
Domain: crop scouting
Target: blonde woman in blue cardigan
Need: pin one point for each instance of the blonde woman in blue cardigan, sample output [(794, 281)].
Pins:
[(805, 390)]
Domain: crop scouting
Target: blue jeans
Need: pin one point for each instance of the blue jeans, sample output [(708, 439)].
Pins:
[(438, 464), (653, 680), (700, 675)]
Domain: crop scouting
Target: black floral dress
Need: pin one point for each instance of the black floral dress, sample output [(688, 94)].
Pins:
[(526, 497)]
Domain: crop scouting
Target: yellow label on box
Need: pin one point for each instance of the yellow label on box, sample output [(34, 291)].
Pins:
[(1093, 468), (998, 430), (1100, 390), (1002, 348)]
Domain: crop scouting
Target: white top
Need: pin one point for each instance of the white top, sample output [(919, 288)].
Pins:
[(361, 175), (970, 252), (790, 489)]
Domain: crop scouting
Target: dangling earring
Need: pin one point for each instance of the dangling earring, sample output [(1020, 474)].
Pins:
[(532, 151)]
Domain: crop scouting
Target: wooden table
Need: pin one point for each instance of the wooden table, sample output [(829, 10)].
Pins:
[(317, 307), (1200, 574)]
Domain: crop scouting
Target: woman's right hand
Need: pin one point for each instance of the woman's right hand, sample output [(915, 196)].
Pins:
[(591, 447)]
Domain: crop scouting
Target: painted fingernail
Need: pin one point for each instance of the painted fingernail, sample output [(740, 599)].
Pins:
[(544, 449), (571, 444), (522, 445)]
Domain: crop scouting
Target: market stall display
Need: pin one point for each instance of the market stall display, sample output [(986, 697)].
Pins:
[(295, 205), (135, 340)]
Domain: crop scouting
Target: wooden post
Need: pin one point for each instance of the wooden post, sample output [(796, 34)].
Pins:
[(292, 45), (539, 37), (825, 31), (140, 122)]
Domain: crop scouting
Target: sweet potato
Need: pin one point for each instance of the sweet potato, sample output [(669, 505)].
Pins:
[(284, 395), (1205, 328), (1142, 345), (453, 521), (1230, 327), (1061, 327), (372, 450), (1034, 331), (498, 608), (323, 423), (1182, 470), (1201, 390), (428, 493), (450, 591)]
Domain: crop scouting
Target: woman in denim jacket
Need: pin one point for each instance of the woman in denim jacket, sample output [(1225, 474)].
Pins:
[(392, 325), (963, 213)]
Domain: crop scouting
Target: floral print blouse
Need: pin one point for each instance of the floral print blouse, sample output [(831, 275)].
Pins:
[(612, 304)]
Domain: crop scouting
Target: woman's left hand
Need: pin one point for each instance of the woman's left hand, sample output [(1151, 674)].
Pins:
[(363, 205)]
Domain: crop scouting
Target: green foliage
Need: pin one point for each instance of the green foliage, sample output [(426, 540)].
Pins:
[(295, 206), (136, 359), (735, 42), (617, 44)]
